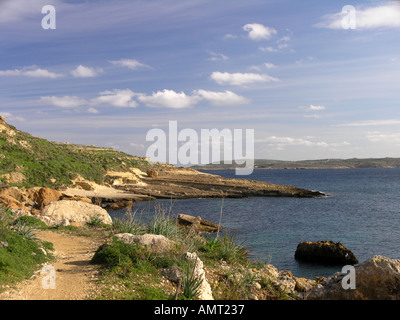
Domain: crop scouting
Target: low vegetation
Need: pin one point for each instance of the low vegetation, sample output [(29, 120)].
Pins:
[(131, 271), (49, 164), (20, 252)]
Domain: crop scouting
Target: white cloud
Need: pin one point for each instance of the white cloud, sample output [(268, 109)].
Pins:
[(230, 36), (240, 79), (221, 98), (64, 102), (11, 10), (258, 31), (268, 49), (217, 56), (269, 65), (384, 16), (117, 98), (130, 63), (85, 72), (12, 117), (169, 99), (371, 123), (93, 110), (314, 108), (390, 137), (282, 142), (32, 71)]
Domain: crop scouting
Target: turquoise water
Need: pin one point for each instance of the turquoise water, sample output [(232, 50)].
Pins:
[(362, 211)]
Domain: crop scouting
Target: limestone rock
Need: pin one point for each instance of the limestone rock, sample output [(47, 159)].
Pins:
[(155, 243), (303, 284), (197, 223), (378, 278), (205, 292), (12, 203), (75, 211), (152, 174), (13, 177), (14, 192), (325, 252), (45, 196), (85, 185), (76, 198)]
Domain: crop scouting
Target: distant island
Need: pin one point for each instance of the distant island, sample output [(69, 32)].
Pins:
[(310, 164)]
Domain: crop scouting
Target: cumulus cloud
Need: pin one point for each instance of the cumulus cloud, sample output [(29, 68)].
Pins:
[(117, 98), (169, 99), (85, 72), (383, 16), (240, 79), (258, 31), (63, 102), (32, 71), (130, 63), (221, 98)]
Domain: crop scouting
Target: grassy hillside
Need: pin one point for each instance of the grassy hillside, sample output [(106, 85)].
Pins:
[(313, 164), (45, 163)]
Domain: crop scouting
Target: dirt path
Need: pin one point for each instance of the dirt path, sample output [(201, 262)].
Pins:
[(71, 274)]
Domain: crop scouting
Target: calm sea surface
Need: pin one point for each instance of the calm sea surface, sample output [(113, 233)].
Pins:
[(362, 212)]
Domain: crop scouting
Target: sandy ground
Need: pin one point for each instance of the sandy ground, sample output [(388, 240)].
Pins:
[(70, 277)]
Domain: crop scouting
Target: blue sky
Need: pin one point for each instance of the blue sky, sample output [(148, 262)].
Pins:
[(113, 70)]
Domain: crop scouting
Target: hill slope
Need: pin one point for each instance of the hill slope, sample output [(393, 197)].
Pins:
[(29, 161)]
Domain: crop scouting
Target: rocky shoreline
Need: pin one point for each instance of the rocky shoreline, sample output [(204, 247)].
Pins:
[(377, 278)]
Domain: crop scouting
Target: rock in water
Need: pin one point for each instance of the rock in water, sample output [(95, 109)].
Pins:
[(325, 252), (378, 278), (197, 223)]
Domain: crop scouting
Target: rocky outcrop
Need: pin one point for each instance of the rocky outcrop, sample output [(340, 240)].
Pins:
[(154, 243), (12, 203), (205, 292), (64, 212), (378, 278), (152, 174), (187, 183), (197, 223), (45, 196), (325, 252)]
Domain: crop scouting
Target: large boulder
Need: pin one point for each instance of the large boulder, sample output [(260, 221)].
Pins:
[(378, 278), (64, 211), (197, 223), (154, 242), (45, 196), (325, 252)]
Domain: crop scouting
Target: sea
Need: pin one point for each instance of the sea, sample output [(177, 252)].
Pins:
[(361, 210)]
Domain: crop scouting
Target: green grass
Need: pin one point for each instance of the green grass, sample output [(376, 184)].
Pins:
[(41, 160), (22, 255)]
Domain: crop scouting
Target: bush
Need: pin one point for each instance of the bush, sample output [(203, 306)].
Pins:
[(31, 221)]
